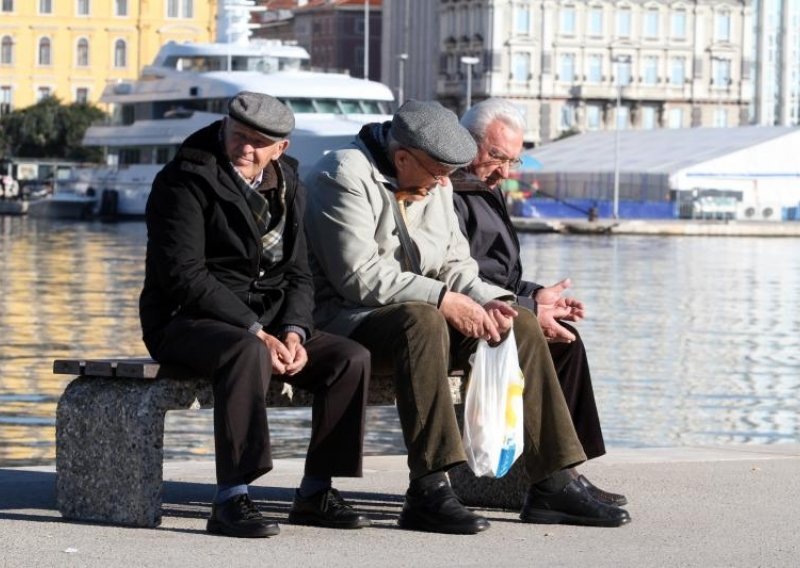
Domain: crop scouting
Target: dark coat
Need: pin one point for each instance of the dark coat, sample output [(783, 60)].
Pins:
[(204, 249), (493, 242)]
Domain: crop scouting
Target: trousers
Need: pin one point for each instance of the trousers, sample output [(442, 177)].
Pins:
[(240, 367), (572, 368), (414, 343)]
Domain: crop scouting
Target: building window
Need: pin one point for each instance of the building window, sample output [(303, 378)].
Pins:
[(82, 53), (720, 117), (6, 51), (593, 117), (521, 66), (595, 71), (522, 20), (121, 7), (596, 21), (722, 26), (567, 116), (566, 71), (45, 6), (44, 51), (648, 117), (721, 70), (83, 7), (651, 23), (677, 71), (82, 95), (7, 6), (650, 70), (678, 24), (622, 117), (623, 73), (120, 53), (180, 8), (5, 99), (624, 22), (42, 93), (567, 20), (676, 118), (359, 27)]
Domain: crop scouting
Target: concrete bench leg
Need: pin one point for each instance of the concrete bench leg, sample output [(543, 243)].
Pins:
[(109, 448), (508, 492)]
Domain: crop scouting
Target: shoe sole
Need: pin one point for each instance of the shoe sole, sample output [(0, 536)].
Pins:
[(555, 518), (217, 528), (413, 524), (313, 521)]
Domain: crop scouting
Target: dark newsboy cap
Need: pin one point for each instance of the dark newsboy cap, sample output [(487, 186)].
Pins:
[(430, 127), (263, 113)]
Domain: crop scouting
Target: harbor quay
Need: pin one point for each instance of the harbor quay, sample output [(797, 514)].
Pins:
[(658, 227), (733, 505)]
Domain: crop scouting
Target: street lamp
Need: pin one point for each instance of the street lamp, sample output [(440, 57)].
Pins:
[(401, 62), (469, 62), (619, 60)]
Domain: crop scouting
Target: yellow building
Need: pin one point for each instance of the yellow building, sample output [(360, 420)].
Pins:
[(72, 48)]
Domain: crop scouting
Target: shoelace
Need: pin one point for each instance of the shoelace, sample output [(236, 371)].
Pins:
[(247, 507), (335, 501)]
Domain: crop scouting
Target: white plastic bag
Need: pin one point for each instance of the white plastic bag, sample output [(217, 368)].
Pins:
[(493, 428)]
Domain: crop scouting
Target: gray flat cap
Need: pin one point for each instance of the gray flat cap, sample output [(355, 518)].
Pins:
[(263, 113), (430, 127)]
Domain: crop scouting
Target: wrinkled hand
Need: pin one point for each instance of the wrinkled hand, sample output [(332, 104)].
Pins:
[(552, 306), (501, 314), (468, 317), (288, 357)]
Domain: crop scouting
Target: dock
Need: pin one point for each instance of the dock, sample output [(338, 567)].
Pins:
[(659, 227), (691, 506), (13, 207)]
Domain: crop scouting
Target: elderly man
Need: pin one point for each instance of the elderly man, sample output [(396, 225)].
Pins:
[(392, 271), (497, 127), (228, 293)]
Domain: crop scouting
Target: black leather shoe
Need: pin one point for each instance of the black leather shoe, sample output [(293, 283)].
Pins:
[(326, 509), (239, 517), (573, 505), (603, 496), (439, 510)]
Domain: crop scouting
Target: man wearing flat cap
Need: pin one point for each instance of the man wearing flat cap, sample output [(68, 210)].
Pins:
[(418, 304), (228, 294)]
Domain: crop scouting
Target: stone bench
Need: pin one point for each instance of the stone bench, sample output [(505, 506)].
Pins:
[(110, 438)]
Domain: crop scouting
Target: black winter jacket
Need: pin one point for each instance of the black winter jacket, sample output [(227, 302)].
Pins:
[(493, 242), (204, 249)]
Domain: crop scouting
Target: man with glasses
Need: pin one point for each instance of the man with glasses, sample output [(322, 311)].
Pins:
[(392, 271), (497, 127)]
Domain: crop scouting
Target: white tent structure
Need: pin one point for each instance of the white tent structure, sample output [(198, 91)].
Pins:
[(750, 172)]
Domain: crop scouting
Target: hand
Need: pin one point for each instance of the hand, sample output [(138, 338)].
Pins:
[(502, 314), (298, 354), (551, 307), (468, 317), (278, 351)]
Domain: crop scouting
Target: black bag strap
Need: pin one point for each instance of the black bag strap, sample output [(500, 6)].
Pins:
[(409, 250)]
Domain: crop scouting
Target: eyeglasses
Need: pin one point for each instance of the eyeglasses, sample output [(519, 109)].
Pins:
[(438, 177), (500, 159)]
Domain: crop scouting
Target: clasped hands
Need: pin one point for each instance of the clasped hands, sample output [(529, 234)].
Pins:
[(288, 356), (490, 321)]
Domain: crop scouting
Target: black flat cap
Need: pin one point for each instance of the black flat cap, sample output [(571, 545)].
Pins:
[(430, 127), (263, 113)]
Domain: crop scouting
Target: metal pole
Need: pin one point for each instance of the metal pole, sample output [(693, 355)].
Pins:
[(469, 62), (616, 146), (401, 60), (366, 39)]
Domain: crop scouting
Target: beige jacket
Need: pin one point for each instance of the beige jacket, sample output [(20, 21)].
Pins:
[(355, 248)]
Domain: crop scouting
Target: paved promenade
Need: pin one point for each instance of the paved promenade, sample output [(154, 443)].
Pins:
[(728, 506)]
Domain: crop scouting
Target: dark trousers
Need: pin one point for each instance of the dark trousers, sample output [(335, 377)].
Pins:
[(413, 342), (572, 368), (240, 367)]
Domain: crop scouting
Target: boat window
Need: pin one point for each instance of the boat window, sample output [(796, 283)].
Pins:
[(328, 106), (351, 107), (301, 105), (373, 107)]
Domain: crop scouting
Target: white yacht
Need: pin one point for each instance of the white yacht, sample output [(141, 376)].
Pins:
[(188, 86)]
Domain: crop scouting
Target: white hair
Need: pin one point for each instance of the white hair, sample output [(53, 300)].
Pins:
[(478, 118)]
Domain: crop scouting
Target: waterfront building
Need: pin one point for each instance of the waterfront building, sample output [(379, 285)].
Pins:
[(72, 48), (582, 65), (777, 56)]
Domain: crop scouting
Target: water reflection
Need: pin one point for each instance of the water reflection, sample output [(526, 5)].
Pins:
[(691, 340)]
